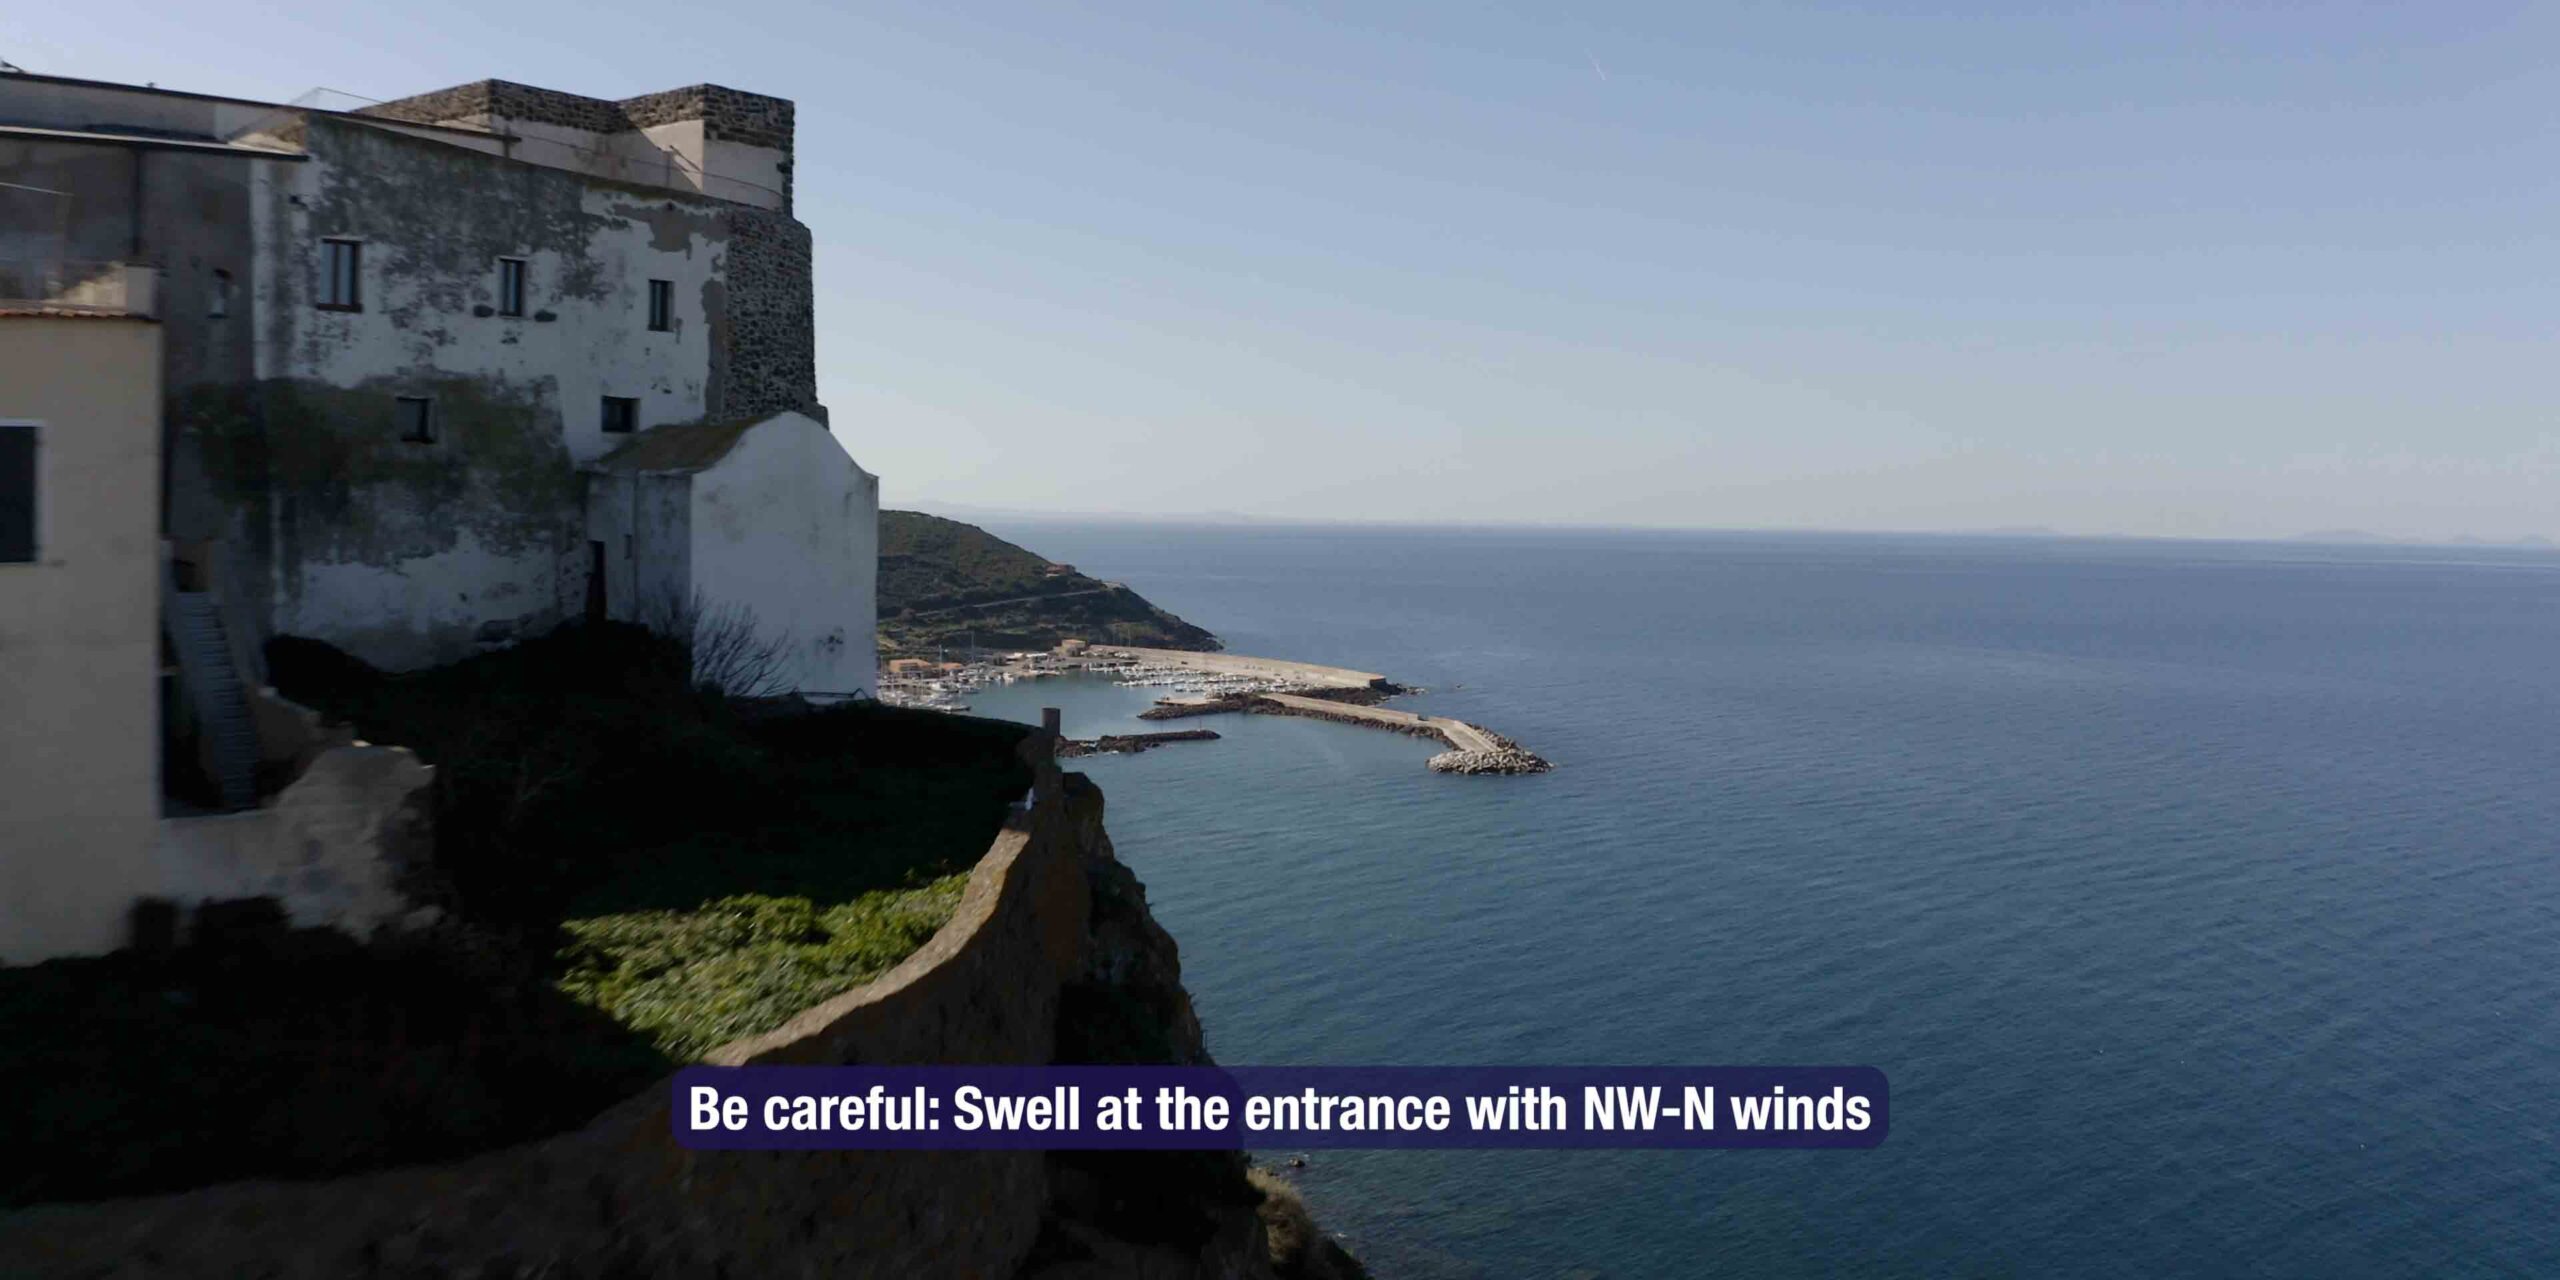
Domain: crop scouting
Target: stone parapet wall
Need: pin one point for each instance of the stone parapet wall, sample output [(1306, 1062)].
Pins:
[(461, 102), (619, 1198), (477, 101), (728, 115)]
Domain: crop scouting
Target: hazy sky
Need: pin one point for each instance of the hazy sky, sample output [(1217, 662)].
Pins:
[(2210, 269)]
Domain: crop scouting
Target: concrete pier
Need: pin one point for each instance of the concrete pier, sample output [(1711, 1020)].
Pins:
[(1460, 735), (1472, 748), (1228, 664), (1279, 687)]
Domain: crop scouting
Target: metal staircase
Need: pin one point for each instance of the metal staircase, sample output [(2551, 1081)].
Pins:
[(221, 703)]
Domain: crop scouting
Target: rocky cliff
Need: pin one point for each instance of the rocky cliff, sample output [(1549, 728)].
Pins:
[(1153, 1214)]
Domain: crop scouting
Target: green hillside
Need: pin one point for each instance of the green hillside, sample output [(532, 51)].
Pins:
[(944, 583)]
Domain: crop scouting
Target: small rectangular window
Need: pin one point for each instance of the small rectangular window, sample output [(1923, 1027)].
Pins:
[(17, 492), (342, 287), (621, 415), (416, 416), (510, 286), (662, 305), (218, 303)]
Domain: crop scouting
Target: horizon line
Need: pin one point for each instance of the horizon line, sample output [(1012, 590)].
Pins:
[(2314, 537)]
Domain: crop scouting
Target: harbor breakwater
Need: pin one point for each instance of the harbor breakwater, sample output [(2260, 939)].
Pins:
[(1128, 743), (1342, 696)]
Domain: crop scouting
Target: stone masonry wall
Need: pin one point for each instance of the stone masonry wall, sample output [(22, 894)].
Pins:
[(727, 115), (619, 1198), (767, 361), (482, 98), (460, 102)]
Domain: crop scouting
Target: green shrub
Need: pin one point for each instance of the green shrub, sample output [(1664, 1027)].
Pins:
[(695, 980)]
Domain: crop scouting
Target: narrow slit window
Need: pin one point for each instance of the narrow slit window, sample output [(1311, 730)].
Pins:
[(662, 305), (218, 303), (621, 415), (416, 416), (17, 493), (510, 286), (342, 284)]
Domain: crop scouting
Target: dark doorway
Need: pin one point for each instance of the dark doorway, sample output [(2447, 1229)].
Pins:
[(595, 581)]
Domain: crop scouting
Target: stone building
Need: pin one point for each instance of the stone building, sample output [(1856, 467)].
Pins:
[(389, 350), (395, 335)]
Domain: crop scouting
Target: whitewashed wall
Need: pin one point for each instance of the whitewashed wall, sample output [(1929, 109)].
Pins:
[(409, 574), (788, 526), (645, 523), (417, 308)]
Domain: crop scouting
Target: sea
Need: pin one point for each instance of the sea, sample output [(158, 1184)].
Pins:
[(2200, 900)]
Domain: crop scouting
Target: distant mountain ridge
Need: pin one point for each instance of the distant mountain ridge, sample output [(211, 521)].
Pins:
[(944, 584)]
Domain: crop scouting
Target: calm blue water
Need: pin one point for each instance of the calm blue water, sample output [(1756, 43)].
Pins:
[(2200, 900)]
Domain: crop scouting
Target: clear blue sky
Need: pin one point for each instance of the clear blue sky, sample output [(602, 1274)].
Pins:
[(2185, 269)]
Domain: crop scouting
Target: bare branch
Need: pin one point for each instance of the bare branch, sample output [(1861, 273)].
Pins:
[(726, 648)]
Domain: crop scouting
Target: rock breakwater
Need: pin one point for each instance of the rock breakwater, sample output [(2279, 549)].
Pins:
[(1506, 757), (1184, 709), (1129, 743)]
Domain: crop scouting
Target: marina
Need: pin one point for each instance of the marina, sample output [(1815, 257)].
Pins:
[(1198, 684)]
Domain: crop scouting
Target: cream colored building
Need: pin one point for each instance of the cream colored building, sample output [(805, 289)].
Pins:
[(87, 827), (79, 618)]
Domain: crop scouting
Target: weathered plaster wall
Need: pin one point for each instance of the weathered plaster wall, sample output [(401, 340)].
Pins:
[(195, 223), (786, 526), (79, 638), (94, 221), (431, 257), (409, 554), (646, 525), (333, 848), (404, 554)]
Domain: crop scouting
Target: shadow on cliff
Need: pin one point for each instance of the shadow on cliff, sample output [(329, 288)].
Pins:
[(1169, 1213), (583, 772), (581, 775), (259, 1050)]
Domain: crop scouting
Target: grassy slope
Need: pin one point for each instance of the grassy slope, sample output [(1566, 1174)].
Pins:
[(947, 583), (927, 562), (712, 875)]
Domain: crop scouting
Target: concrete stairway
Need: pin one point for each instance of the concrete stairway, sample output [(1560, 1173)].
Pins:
[(213, 686)]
